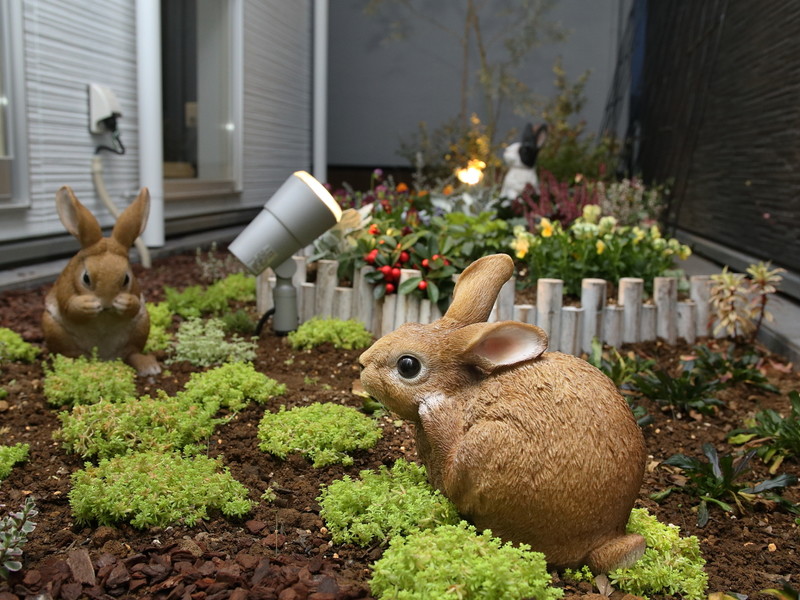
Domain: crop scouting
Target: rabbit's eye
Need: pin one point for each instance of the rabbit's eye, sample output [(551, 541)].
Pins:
[(87, 281), (126, 280), (408, 367)]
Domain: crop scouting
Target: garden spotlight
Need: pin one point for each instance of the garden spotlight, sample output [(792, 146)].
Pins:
[(297, 214)]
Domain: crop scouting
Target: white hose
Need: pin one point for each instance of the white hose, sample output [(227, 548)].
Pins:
[(100, 187)]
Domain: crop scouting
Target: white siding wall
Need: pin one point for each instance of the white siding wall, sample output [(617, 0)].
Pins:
[(277, 94), (70, 43)]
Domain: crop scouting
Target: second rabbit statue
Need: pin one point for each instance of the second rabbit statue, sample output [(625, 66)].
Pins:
[(540, 447)]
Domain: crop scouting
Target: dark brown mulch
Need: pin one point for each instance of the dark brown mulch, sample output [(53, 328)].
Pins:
[(282, 550)]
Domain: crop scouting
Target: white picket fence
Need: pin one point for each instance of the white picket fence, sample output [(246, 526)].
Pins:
[(570, 328)]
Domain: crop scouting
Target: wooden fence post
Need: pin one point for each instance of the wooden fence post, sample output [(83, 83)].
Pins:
[(525, 313), (612, 325), (364, 301), (407, 305), (700, 292), (648, 322), (308, 296), (389, 310), (505, 300), (571, 329), (687, 321), (327, 280), (593, 301), (665, 295), (548, 309), (631, 292), (343, 303)]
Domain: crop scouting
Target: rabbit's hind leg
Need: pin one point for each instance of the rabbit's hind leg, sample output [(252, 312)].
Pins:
[(145, 364), (618, 553)]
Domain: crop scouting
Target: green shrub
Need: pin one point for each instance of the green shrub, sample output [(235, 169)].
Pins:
[(155, 489), (323, 433), (232, 386), (14, 530), (160, 321), (671, 565), (85, 380), (195, 301), (721, 478), (10, 456), (776, 437), (454, 561), (14, 348), (689, 390), (349, 334), (383, 504), (202, 343), (594, 247), (108, 429), (239, 322)]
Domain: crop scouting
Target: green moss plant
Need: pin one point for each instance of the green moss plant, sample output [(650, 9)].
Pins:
[(232, 385), (155, 489), (195, 301), (14, 348), (454, 561), (10, 456), (85, 380), (202, 343), (323, 433), (348, 335), (383, 504), (672, 565), (160, 321), (14, 530), (106, 429)]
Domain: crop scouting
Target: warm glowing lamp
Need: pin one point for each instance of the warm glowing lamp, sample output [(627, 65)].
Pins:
[(472, 173), (297, 214)]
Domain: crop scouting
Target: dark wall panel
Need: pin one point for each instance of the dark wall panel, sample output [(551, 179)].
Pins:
[(722, 121)]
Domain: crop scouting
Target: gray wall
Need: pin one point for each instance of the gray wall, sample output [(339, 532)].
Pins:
[(379, 92)]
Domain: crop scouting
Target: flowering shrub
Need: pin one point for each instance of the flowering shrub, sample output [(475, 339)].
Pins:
[(630, 202), (595, 246), (561, 201)]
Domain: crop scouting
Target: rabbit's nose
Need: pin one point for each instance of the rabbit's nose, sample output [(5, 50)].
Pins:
[(360, 366)]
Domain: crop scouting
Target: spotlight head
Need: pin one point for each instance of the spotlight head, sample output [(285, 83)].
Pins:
[(297, 214)]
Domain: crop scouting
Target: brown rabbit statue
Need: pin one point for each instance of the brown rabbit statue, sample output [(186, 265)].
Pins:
[(539, 447), (95, 304)]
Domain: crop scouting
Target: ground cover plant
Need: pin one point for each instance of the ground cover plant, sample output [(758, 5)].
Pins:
[(282, 544)]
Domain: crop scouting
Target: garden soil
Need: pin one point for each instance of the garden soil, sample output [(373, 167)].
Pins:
[(282, 549)]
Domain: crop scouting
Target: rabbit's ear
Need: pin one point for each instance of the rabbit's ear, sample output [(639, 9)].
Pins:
[(495, 345), (133, 219), (541, 135), (77, 219), (477, 288)]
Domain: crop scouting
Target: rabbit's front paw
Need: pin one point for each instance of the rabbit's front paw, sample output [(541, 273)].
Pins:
[(85, 305), (126, 303)]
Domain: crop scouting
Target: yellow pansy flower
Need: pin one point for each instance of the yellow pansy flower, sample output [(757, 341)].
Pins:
[(600, 246), (546, 228)]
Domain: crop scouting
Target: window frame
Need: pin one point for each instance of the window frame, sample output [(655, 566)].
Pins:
[(176, 189), (16, 193)]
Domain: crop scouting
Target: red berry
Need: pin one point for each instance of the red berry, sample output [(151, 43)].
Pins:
[(374, 252), (423, 285), (395, 273), (386, 270), (404, 256), (446, 262), (369, 258), (434, 257), (374, 229), (425, 262), (389, 288)]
